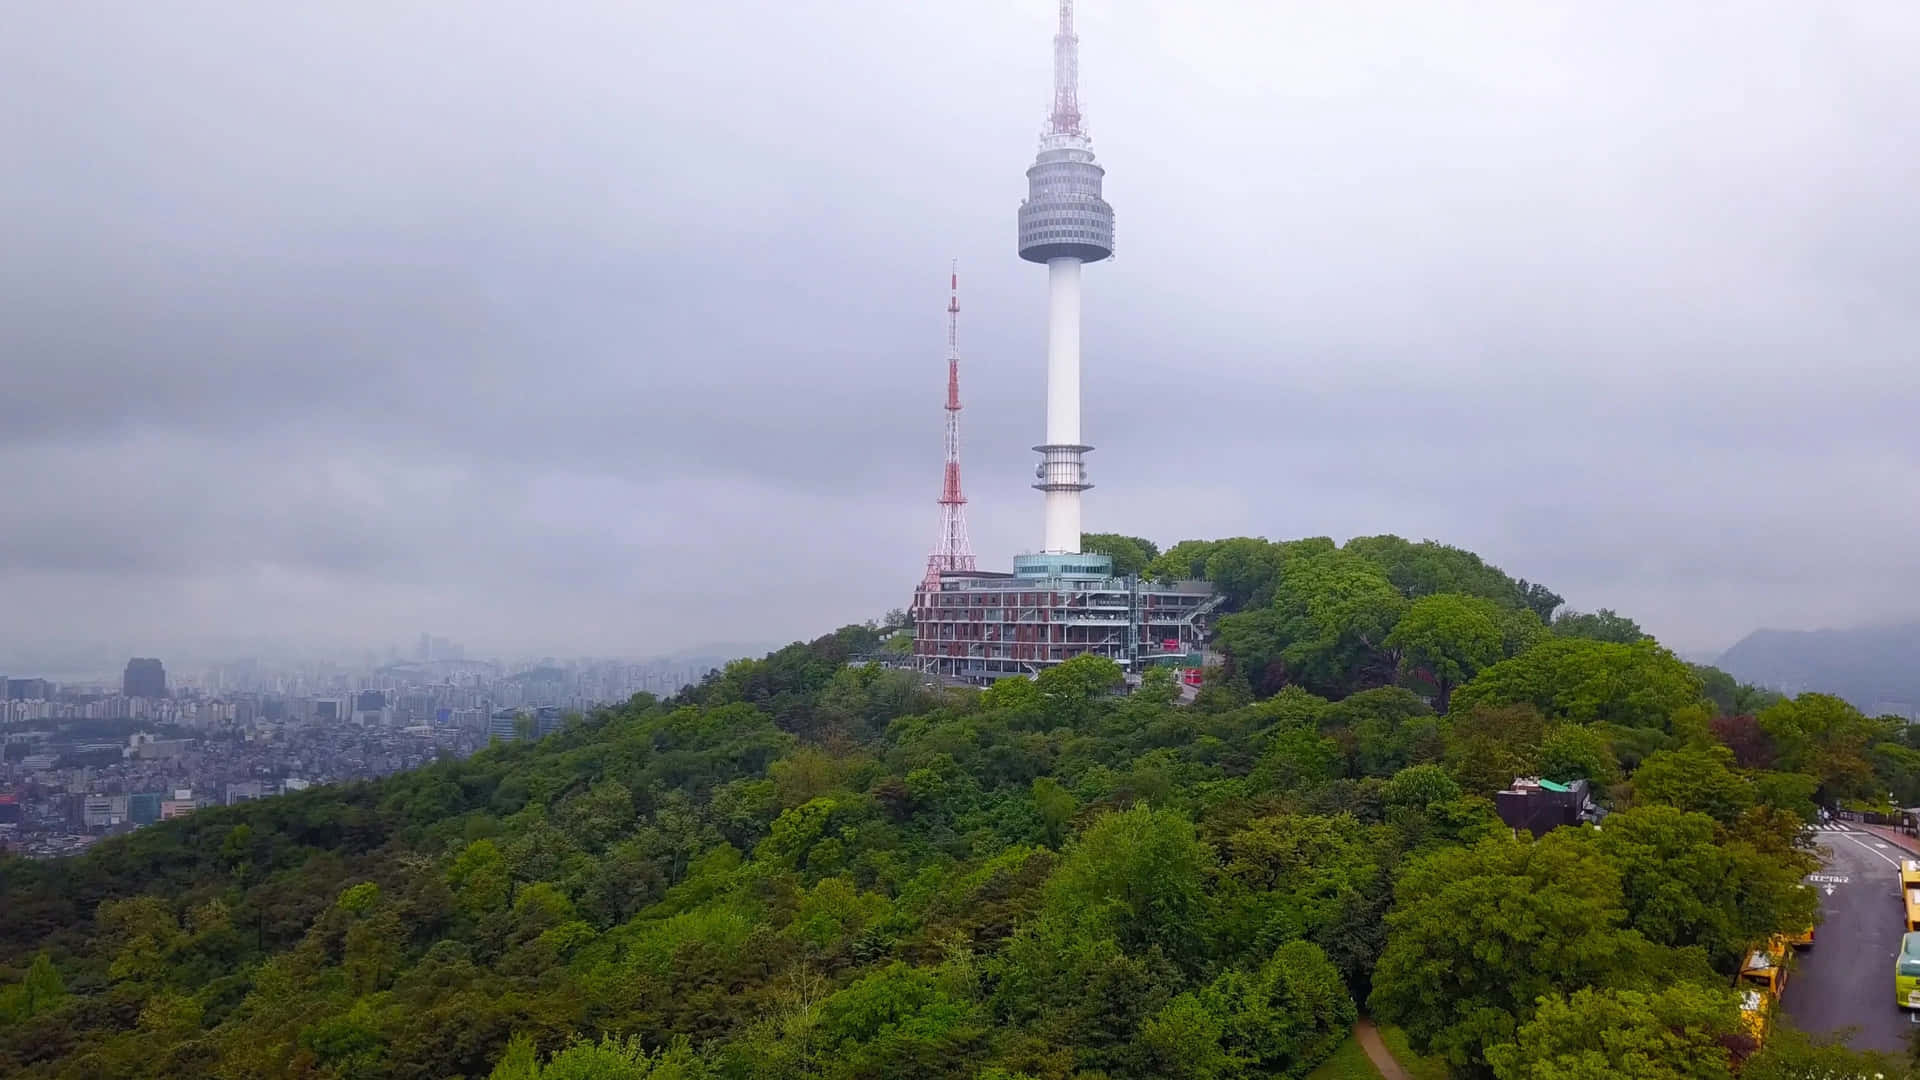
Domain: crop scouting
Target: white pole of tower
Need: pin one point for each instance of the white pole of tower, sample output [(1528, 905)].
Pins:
[(1063, 396), (1064, 222)]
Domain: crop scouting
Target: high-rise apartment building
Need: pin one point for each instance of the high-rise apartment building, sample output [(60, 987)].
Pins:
[(145, 678), (28, 690)]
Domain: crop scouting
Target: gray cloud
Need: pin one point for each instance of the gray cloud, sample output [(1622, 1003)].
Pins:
[(615, 327)]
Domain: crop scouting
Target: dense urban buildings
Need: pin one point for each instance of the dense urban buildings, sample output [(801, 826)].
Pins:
[(25, 689), (79, 761)]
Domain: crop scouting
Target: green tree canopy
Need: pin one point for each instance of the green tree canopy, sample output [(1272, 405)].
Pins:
[(1684, 885), (1383, 730), (1602, 625), (1279, 1020), (1488, 748), (1639, 685), (1446, 639), (1131, 554), (1570, 752), (821, 871), (1327, 627), (1071, 691), (1184, 561), (1793, 1055), (1245, 569), (1830, 740), (40, 991), (1139, 877), (1673, 1033), (1698, 779), (1429, 568), (608, 1059), (1546, 918)]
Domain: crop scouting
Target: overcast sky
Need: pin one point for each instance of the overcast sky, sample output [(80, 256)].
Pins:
[(617, 327)]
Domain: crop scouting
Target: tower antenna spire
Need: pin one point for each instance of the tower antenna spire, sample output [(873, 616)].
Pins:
[(1066, 76), (953, 551), (1064, 223), (953, 331)]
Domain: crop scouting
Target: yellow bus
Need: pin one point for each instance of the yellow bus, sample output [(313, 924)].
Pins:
[(1909, 874), (1765, 968), (1753, 1013), (1906, 973), (1759, 984), (1912, 897)]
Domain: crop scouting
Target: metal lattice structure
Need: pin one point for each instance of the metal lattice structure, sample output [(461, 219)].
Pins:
[(1066, 75), (953, 552)]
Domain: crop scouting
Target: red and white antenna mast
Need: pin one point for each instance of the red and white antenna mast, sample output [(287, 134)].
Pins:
[(954, 551), (1066, 76)]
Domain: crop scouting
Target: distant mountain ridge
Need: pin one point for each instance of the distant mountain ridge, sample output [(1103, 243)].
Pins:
[(1876, 668)]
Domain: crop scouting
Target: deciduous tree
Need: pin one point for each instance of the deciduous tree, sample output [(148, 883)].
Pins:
[(1700, 779), (1829, 740), (1131, 554), (1544, 916), (1140, 877), (1634, 686), (1602, 625), (1670, 1033), (1447, 639)]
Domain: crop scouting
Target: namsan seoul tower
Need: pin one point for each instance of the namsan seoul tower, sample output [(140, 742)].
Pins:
[(976, 626), (1064, 222)]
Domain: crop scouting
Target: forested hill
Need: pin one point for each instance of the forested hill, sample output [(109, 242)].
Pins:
[(1872, 667), (804, 869)]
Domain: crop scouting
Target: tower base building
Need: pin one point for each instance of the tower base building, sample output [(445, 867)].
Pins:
[(983, 625)]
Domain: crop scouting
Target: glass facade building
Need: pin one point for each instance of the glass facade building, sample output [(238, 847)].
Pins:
[(986, 625)]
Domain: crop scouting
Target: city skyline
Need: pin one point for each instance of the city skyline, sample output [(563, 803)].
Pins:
[(78, 763), (1616, 301), (193, 670)]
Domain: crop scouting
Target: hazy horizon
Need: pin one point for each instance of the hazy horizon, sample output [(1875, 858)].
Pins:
[(75, 665), (606, 329)]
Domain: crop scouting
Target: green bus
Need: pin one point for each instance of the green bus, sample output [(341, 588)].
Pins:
[(1906, 973)]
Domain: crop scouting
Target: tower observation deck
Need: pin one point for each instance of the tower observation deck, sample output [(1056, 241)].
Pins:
[(1063, 223), (973, 625)]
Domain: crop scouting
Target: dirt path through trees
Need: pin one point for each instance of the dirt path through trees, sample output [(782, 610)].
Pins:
[(1369, 1038)]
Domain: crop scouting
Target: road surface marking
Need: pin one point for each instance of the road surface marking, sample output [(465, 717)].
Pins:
[(1832, 879), (1870, 851)]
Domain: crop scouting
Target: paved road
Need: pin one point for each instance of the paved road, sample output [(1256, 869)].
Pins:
[(1846, 978)]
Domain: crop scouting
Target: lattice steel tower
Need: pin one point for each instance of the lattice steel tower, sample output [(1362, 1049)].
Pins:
[(953, 551), (1064, 222)]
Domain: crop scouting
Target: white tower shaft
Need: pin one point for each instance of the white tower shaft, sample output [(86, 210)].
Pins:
[(1064, 222), (1063, 402), (1063, 351)]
